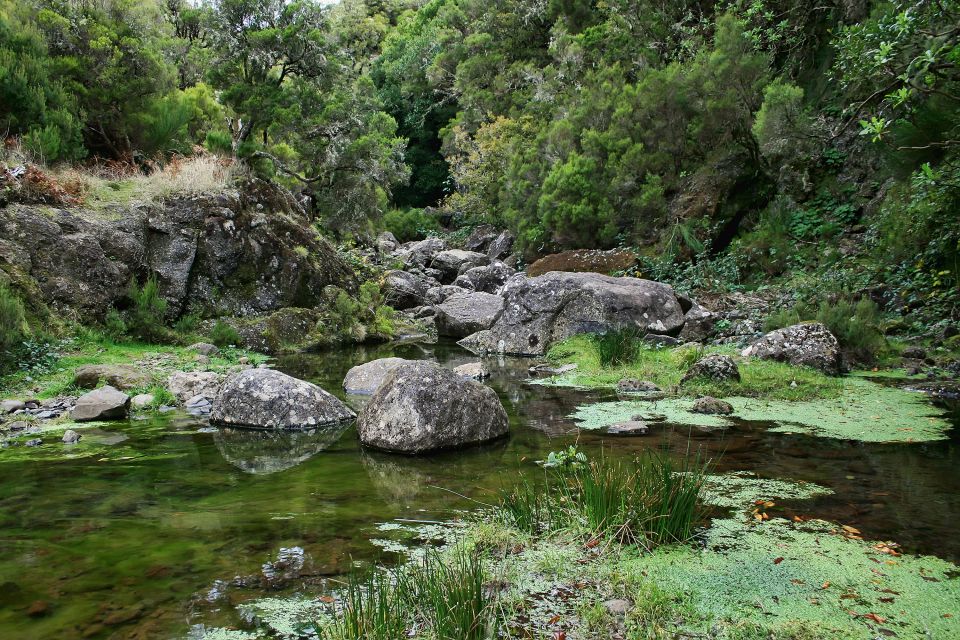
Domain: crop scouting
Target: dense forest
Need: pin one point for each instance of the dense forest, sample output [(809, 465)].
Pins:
[(730, 142)]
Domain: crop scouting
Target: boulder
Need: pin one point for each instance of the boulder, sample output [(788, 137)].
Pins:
[(480, 238), (119, 376), (420, 253), (185, 385), (268, 399), (142, 400), (286, 330), (698, 324), (9, 406), (205, 348), (466, 313), (659, 340), (715, 367), (501, 246), (914, 353), (386, 242), (543, 310), (439, 295), (423, 407), (711, 406), (584, 261), (105, 403), (810, 345), (365, 379), (632, 385), (489, 278), (472, 371), (70, 437), (403, 290), (451, 262), (629, 428)]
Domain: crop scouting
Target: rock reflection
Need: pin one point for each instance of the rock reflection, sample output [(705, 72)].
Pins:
[(264, 452)]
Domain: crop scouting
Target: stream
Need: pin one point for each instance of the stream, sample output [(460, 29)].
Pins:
[(189, 521)]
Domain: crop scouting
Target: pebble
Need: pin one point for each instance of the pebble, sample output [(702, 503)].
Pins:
[(71, 437)]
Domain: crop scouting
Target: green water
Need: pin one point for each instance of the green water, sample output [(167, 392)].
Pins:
[(177, 535)]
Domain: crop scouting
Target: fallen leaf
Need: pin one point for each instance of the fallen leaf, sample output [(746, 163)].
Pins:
[(850, 529), (327, 599), (825, 585), (886, 600), (560, 635), (554, 620), (592, 543), (848, 596), (778, 560), (875, 618), (947, 615), (796, 581)]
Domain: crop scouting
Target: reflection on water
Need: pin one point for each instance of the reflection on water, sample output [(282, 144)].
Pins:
[(133, 542), (264, 451)]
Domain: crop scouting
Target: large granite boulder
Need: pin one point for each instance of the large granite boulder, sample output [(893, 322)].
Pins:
[(540, 311), (268, 399), (698, 324), (810, 345), (365, 379), (480, 238), (489, 278), (466, 313), (404, 290), (105, 403), (186, 385), (421, 252), (439, 295), (584, 261), (119, 376), (423, 407), (451, 262)]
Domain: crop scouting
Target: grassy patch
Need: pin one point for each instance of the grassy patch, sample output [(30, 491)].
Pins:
[(665, 367)]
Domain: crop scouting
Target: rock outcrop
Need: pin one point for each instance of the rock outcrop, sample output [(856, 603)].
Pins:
[(404, 290), (584, 261), (450, 263), (489, 278), (540, 311), (466, 313), (119, 376), (423, 407), (810, 345), (236, 253), (186, 385), (268, 399)]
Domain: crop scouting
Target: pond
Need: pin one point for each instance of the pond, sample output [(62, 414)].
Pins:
[(171, 524)]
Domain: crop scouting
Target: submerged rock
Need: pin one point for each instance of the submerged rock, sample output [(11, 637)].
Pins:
[(632, 385), (365, 379), (268, 399), (711, 406), (119, 376), (105, 403), (463, 314), (808, 344), (543, 310), (423, 407), (629, 428), (472, 371), (264, 452), (549, 370), (715, 367)]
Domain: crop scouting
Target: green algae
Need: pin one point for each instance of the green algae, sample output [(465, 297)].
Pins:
[(742, 488), (865, 411), (219, 633), (282, 617)]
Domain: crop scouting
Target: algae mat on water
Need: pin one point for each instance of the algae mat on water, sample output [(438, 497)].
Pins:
[(865, 411)]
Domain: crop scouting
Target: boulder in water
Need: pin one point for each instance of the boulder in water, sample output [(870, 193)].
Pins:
[(365, 379), (268, 399), (423, 407), (466, 313)]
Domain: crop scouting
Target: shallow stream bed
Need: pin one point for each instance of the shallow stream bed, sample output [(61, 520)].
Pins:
[(154, 526)]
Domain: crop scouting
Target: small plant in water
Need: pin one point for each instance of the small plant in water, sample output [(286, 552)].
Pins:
[(570, 459)]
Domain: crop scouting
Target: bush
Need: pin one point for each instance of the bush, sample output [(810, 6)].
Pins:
[(146, 318), (410, 224), (13, 321), (224, 335), (616, 348), (114, 325)]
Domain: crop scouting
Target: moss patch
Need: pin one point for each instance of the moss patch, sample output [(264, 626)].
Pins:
[(865, 411), (665, 367)]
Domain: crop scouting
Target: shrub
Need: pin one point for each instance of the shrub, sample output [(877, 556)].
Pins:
[(114, 325), (146, 318), (224, 335), (13, 321), (410, 224)]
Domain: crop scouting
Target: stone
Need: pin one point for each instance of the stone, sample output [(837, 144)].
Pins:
[(489, 278), (439, 295), (18, 425), (629, 428), (205, 348), (698, 324), (618, 607), (198, 406), (35, 442), (187, 384), (105, 403), (450, 263), (584, 261), (632, 385), (119, 376), (285, 330), (711, 406), (914, 353), (268, 399), (660, 340), (386, 242), (420, 253), (480, 238), (365, 379), (549, 370), (141, 401), (808, 344), (422, 407), (541, 311), (501, 246), (403, 290), (70, 437), (472, 371), (466, 313), (9, 406), (719, 368)]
